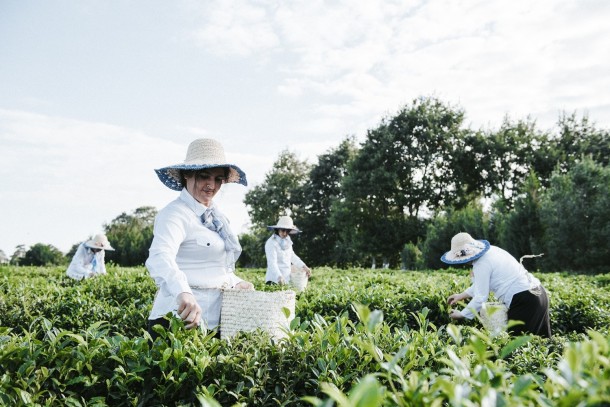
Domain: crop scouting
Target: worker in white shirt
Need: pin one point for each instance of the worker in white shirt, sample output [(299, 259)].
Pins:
[(89, 259), (494, 270), (279, 252), (193, 252)]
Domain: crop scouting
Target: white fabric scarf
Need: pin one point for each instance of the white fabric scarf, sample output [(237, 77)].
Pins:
[(285, 243), (217, 222)]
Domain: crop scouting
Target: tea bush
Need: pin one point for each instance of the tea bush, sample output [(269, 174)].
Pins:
[(360, 337)]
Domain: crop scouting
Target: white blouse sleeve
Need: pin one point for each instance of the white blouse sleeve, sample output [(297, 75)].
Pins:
[(169, 233), (77, 268)]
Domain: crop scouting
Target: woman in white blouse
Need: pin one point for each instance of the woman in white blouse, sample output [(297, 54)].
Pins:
[(194, 250), (495, 270), (279, 253), (89, 259)]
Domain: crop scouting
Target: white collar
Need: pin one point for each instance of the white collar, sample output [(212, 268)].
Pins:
[(192, 203)]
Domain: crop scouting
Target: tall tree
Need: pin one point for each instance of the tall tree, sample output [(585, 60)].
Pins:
[(131, 236), (280, 192), (320, 243), (18, 255), (42, 255), (402, 169), (512, 155), (578, 138), (575, 211), (520, 231)]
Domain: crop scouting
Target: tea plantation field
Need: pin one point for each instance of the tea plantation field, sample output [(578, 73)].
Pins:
[(360, 338)]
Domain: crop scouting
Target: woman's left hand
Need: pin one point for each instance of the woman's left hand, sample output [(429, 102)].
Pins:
[(455, 314), (244, 285), (307, 271)]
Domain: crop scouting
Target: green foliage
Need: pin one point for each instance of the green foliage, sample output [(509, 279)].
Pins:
[(511, 157), (577, 138), (131, 236), (253, 249), (18, 255), (42, 255), (359, 338), (576, 213), (411, 257), (520, 231), (320, 242), (279, 194), (401, 169)]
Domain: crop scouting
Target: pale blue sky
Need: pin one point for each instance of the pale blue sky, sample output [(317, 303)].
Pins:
[(95, 94)]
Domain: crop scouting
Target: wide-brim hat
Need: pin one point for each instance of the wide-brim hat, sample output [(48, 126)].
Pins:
[(201, 154), (99, 242), (285, 222), (465, 249)]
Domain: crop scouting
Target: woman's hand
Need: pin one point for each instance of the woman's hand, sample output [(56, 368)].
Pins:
[(455, 298), (281, 281), (307, 271), (244, 285), (188, 310), (456, 314)]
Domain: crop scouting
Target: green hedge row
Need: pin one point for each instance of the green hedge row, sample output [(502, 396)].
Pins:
[(83, 343), (123, 298)]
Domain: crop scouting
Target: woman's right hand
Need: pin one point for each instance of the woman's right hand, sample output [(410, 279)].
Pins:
[(454, 298), (188, 310)]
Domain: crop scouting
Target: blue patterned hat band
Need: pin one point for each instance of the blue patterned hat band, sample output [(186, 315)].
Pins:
[(202, 154)]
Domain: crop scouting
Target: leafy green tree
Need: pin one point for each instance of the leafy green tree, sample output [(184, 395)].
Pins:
[(131, 236), (42, 255), (575, 211), (253, 250), (18, 255), (401, 171), (519, 231), (320, 243), (577, 139), (512, 154), (280, 193)]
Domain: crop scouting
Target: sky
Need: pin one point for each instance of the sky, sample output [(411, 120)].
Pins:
[(95, 94)]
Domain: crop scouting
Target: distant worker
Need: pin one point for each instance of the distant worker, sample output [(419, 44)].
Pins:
[(495, 270), (279, 253), (89, 259)]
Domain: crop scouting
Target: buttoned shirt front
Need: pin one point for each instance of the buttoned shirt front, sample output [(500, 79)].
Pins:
[(185, 256)]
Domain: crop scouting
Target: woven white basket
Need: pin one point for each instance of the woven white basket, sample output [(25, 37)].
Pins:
[(298, 278), (248, 310), (494, 316)]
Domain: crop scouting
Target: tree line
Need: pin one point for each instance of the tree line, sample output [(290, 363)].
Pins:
[(422, 175), (419, 177)]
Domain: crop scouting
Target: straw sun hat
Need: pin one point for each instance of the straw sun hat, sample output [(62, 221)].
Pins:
[(465, 249), (202, 153), (99, 242), (285, 222)]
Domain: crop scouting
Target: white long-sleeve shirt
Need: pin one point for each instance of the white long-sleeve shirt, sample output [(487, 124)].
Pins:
[(499, 272), (279, 260), (185, 256), (83, 264)]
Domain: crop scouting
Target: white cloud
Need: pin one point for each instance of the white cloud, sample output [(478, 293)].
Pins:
[(232, 27), (64, 179), (379, 53)]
